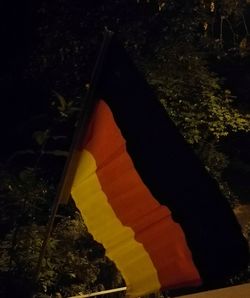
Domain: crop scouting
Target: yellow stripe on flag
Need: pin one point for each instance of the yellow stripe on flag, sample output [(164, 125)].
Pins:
[(103, 224)]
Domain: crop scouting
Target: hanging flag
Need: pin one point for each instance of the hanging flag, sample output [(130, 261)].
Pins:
[(145, 195)]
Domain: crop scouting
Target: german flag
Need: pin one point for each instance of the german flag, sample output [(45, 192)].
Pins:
[(145, 195)]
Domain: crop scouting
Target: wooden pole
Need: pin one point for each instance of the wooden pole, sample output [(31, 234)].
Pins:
[(64, 187), (86, 110)]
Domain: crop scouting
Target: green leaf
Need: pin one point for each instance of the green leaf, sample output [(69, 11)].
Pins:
[(41, 136)]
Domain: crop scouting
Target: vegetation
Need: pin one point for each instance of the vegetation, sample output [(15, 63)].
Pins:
[(73, 262), (179, 45)]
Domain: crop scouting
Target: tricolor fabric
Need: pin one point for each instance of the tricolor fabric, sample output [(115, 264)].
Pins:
[(145, 195)]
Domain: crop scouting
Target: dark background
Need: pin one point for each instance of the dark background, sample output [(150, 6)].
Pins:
[(36, 34)]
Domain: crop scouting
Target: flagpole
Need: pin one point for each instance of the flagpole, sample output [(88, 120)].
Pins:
[(86, 110), (64, 187)]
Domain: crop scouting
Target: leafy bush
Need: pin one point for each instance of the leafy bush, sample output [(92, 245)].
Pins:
[(73, 262)]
